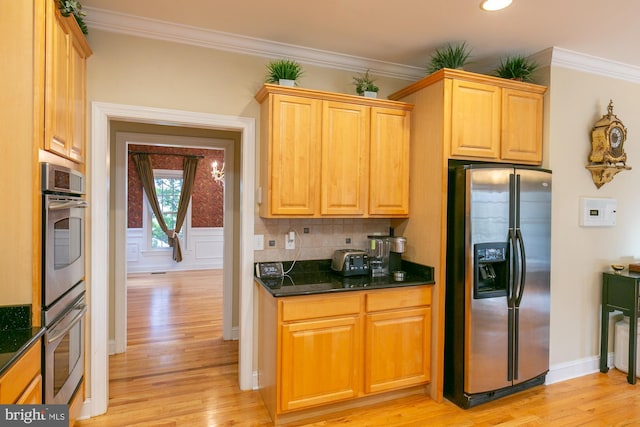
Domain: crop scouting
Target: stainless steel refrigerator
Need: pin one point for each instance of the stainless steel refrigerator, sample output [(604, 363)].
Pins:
[(497, 288)]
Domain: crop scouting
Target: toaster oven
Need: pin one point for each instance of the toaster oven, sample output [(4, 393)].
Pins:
[(350, 262)]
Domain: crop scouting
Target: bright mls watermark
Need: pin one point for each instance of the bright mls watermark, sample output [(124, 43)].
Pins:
[(34, 415)]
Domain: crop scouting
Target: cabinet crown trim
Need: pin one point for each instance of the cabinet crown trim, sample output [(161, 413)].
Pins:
[(268, 89), (447, 73)]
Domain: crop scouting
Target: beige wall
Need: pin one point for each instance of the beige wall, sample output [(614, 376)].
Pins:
[(579, 255)]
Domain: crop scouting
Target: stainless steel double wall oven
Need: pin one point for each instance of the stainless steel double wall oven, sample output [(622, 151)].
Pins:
[(63, 287)]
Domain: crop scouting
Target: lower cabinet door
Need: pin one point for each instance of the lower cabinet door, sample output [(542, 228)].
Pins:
[(397, 349), (33, 393), (321, 362)]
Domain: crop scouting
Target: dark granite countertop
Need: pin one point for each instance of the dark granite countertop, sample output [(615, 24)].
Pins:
[(316, 277), (16, 334)]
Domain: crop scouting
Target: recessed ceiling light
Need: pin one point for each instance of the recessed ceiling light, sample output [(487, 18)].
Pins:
[(491, 5)]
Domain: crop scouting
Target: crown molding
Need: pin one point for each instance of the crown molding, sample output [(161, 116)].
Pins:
[(105, 20), (565, 58)]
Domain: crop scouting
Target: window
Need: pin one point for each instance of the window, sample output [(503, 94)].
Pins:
[(168, 185)]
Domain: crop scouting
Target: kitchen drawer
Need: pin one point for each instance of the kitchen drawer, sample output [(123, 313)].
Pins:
[(391, 299), (311, 307)]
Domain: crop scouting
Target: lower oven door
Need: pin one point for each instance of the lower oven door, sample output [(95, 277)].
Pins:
[(64, 355)]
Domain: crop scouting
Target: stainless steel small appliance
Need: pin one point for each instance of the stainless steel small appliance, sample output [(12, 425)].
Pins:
[(350, 262), (379, 247), (396, 249)]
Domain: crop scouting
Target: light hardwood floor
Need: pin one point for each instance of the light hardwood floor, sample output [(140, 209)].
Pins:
[(178, 371)]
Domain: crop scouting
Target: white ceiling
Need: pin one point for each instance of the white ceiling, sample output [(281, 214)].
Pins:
[(382, 34)]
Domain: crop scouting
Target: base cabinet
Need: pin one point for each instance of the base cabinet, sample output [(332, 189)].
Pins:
[(320, 362), (22, 383), (320, 349), (397, 349)]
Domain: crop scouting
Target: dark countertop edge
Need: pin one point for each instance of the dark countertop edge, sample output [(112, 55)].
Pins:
[(5, 364), (392, 285), (420, 275)]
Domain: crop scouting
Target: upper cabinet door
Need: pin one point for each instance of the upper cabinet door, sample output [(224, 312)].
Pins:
[(521, 126), (294, 155), (66, 51), (389, 165), (77, 96), (345, 159), (57, 79), (475, 120)]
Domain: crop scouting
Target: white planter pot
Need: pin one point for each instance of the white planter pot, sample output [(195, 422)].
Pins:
[(369, 94), (287, 82)]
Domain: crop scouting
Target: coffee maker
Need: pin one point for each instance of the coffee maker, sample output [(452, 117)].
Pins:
[(396, 249), (378, 250)]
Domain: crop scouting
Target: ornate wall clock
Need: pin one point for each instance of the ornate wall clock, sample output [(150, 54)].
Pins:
[(607, 156)]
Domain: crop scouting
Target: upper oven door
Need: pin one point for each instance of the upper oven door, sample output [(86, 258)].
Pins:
[(63, 247)]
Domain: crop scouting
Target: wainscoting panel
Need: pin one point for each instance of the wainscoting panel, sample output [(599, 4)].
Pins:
[(203, 250)]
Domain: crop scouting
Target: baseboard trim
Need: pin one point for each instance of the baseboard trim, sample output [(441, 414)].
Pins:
[(576, 368)]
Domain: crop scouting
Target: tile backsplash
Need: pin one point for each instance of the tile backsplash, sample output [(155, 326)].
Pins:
[(315, 238)]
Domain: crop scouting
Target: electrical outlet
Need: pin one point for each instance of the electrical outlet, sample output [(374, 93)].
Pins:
[(290, 240)]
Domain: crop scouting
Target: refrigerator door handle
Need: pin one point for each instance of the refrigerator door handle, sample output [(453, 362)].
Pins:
[(513, 268), (512, 346), (523, 269), (516, 344)]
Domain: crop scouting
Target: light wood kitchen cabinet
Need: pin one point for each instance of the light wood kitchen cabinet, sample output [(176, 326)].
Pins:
[(461, 116), (485, 118), (293, 155), (22, 383), (389, 164), (522, 126), (398, 338), (36, 34), (65, 80), (321, 361), (475, 120), (325, 154), (345, 159), (321, 349)]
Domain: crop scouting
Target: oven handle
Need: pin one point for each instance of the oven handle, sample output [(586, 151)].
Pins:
[(76, 319), (53, 205)]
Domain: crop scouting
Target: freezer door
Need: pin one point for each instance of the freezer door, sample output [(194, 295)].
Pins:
[(486, 361), (532, 358)]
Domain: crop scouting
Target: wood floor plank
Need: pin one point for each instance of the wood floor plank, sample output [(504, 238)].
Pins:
[(179, 372)]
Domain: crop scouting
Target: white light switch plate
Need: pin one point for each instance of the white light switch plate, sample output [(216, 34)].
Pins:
[(258, 242)]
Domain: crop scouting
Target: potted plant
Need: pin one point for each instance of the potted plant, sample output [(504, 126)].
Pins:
[(285, 72), (516, 67), (73, 7), (452, 56), (365, 86)]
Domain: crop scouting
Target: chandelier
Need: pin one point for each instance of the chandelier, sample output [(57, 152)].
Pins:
[(217, 174)]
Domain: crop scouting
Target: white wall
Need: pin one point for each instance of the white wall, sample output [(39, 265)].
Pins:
[(579, 255)]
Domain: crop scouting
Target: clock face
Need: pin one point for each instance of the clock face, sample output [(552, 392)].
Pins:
[(615, 137)]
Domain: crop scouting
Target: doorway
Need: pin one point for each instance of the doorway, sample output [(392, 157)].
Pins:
[(180, 138), (101, 261)]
